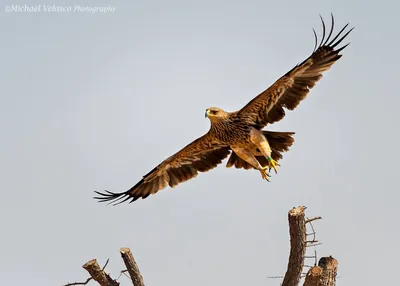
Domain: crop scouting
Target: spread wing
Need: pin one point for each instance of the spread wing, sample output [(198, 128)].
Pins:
[(293, 87), (201, 155)]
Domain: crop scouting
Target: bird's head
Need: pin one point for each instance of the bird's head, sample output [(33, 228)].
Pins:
[(215, 114)]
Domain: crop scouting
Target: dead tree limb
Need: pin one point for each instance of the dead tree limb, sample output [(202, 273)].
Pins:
[(98, 274), (298, 234), (329, 267), (324, 274), (132, 267), (87, 280), (79, 283), (312, 219), (313, 276)]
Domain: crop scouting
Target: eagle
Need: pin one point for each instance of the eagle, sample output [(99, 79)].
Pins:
[(239, 134)]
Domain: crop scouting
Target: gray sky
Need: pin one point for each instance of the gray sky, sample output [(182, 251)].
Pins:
[(93, 101)]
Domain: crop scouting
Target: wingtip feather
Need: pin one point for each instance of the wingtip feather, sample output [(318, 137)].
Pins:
[(111, 198)]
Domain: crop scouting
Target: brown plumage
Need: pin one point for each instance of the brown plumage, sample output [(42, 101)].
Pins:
[(239, 133)]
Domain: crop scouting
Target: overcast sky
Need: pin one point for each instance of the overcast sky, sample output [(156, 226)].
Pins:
[(93, 101)]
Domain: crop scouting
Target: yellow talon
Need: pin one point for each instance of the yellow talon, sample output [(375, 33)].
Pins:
[(264, 173), (272, 164)]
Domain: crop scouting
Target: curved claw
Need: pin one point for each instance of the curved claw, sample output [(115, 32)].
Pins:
[(264, 173)]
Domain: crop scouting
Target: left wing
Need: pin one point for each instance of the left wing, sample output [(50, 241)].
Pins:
[(201, 155), (293, 87)]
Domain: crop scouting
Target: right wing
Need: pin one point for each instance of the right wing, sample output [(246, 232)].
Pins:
[(201, 155)]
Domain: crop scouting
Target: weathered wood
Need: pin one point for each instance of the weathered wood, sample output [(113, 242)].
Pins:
[(313, 276), (329, 267), (132, 267), (297, 230), (324, 274), (98, 274)]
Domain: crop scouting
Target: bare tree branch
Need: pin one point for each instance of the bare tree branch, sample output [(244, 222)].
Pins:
[(87, 280), (132, 267), (313, 233), (98, 274), (297, 230), (79, 283), (308, 220), (122, 273)]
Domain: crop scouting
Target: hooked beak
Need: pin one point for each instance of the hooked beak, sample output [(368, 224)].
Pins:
[(207, 113)]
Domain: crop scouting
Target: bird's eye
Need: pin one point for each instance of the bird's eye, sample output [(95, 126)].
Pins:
[(213, 111)]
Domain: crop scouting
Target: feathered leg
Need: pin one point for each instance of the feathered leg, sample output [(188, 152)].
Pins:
[(258, 139), (251, 159)]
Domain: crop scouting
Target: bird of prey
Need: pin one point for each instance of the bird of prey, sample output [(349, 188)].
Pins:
[(240, 133)]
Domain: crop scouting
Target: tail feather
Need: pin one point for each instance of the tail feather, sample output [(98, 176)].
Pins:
[(279, 143)]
